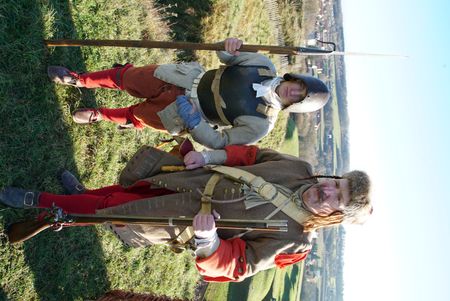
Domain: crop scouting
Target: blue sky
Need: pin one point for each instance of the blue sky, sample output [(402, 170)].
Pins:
[(400, 134)]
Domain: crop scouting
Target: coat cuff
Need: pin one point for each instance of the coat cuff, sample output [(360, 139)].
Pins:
[(240, 155), (206, 246), (227, 263), (217, 157), (283, 260)]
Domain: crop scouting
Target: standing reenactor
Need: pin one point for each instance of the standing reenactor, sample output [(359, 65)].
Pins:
[(235, 104)]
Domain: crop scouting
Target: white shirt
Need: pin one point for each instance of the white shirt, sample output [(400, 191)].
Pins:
[(266, 90)]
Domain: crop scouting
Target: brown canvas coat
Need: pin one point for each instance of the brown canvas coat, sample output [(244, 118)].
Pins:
[(261, 247)]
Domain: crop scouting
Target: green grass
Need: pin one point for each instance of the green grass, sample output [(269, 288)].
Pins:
[(321, 136), (290, 143), (278, 284), (247, 20), (336, 130), (336, 125), (38, 136)]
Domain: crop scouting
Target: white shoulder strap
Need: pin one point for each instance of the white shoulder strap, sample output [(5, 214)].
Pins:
[(266, 190)]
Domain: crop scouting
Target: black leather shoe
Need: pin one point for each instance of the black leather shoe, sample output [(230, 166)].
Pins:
[(19, 198), (71, 183)]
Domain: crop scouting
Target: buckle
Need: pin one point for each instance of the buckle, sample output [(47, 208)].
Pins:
[(206, 199), (268, 191), (79, 188), (28, 199)]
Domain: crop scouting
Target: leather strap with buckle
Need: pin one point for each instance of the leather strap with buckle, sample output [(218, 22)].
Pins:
[(218, 100), (188, 232), (266, 190), (28, 199)]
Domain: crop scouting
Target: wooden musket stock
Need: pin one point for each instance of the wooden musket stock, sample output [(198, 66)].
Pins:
[(22, 231)]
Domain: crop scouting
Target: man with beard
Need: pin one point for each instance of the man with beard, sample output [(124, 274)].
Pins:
[(251, 184)]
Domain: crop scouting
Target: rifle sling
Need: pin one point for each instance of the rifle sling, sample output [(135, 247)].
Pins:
[(266, 190), (188, 232)]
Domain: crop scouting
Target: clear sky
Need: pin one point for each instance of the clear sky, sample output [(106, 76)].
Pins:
[(400, 134)]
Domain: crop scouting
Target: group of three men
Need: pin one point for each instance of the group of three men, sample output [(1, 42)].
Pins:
[(225, 109)]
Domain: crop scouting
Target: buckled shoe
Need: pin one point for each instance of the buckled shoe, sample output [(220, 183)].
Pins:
[(123, 127), (71, 183), (19, 198), (86, 116), (63, 76)]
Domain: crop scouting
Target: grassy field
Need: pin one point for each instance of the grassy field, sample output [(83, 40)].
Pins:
[(38, 137), (243, 19), (274, 284), (290, 143), (336, 134)]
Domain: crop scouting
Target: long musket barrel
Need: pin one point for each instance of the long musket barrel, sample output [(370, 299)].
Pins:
[(184, 45), (286, 50), (21, 231), (237, 224)]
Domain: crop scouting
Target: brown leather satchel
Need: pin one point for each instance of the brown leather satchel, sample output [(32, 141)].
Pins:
[(147, 161)]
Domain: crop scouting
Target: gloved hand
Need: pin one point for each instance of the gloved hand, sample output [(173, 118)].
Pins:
[(204, 225), (189, 114), (194, 160)]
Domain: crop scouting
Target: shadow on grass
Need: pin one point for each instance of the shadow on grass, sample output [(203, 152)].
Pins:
[(239, 290), (185, 18), (290, 127), (290, 281), (2, 295), (35, 144), (67, 265)]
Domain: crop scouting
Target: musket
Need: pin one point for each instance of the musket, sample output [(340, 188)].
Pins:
[(183, 45), (57, 219), (286, 50)]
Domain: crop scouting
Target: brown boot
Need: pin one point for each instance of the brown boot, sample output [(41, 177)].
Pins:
[(63, 76), (86, 116)]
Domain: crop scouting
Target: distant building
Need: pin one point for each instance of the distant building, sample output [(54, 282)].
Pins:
[(318, 119), (311, 42)]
